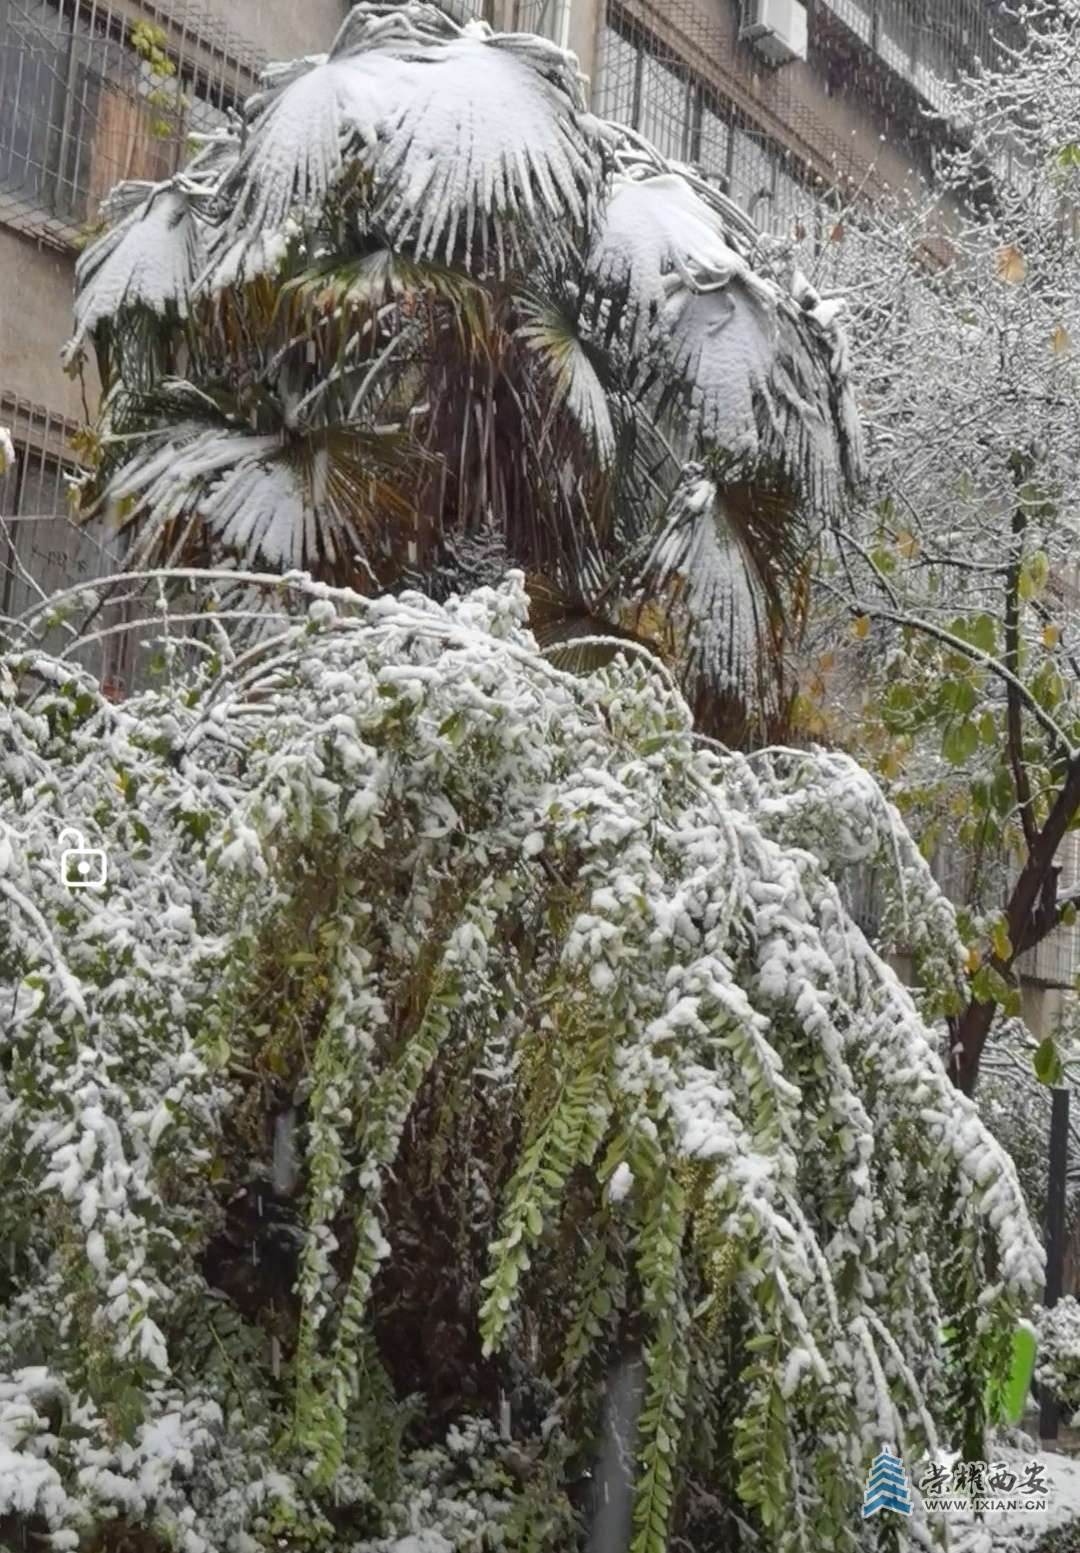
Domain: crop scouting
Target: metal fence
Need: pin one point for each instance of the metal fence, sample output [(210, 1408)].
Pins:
[(90, 96), (41, 549)]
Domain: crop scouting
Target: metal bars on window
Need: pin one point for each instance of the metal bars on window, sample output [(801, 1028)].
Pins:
[(89, 98), (675, 70), (647, 81), (923, 41), (42, 549), (548, 18)]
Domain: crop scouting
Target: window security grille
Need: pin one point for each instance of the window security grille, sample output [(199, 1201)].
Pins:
[(655, 77), (84, 104), (548, 18), (922, 41), (675, 70), (41, 549)]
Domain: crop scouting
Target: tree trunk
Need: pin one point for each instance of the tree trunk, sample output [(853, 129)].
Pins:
[(969, 1031), (1032, 912)]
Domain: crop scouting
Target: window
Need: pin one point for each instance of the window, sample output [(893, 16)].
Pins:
[(665, 107), (38, 538), (752, 169), (790, 207), (542, 16), (646, 87), (621, 72), (38, 535), (31, 98), (649, 89), (80, 111), (714, 147)]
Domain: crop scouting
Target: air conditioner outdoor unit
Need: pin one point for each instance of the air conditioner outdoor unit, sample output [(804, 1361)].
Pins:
[(776, 28)]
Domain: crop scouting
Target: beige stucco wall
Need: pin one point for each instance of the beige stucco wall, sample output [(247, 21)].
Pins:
[(35, 320), (585, 18)]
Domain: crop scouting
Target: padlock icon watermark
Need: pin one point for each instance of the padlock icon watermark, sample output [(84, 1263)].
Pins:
[(82, 867)]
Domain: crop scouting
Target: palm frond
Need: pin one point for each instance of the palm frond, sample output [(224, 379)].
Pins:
[(314, 499), (572, 367), (755, 370), (719, 574), (148, 260), (471, 146), (576, 633), (342, 288)]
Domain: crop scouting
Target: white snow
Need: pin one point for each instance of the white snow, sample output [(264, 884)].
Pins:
[(151, 258), (452, 127), (1018, 1531)]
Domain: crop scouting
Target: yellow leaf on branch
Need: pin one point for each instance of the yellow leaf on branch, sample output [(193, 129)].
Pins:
[(1011, 266), (861, 626), (1051, 636), (1060, 340)]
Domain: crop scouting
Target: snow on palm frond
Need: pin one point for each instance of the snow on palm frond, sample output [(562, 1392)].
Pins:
[(719, 600), (247, 258), (283, 501), (149, 259), (763, 376), (151, 256), (463, 136)]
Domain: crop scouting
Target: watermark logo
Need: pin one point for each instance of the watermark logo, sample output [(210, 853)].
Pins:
[(82, 867), (887, 1486), (985, 1485), (960, 1487)]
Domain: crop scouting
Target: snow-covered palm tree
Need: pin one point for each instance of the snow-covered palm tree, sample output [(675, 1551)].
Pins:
[(422, 312)]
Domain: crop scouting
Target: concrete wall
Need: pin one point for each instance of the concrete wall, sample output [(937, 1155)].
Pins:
[(586, 17), (36, 286)]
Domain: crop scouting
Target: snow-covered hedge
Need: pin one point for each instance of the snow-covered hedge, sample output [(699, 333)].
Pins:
[(447, 1028), (1058, 1369)]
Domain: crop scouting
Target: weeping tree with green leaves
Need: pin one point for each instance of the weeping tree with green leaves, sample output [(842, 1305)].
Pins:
[(422, 316), (454, 1033), (450, 1034)]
